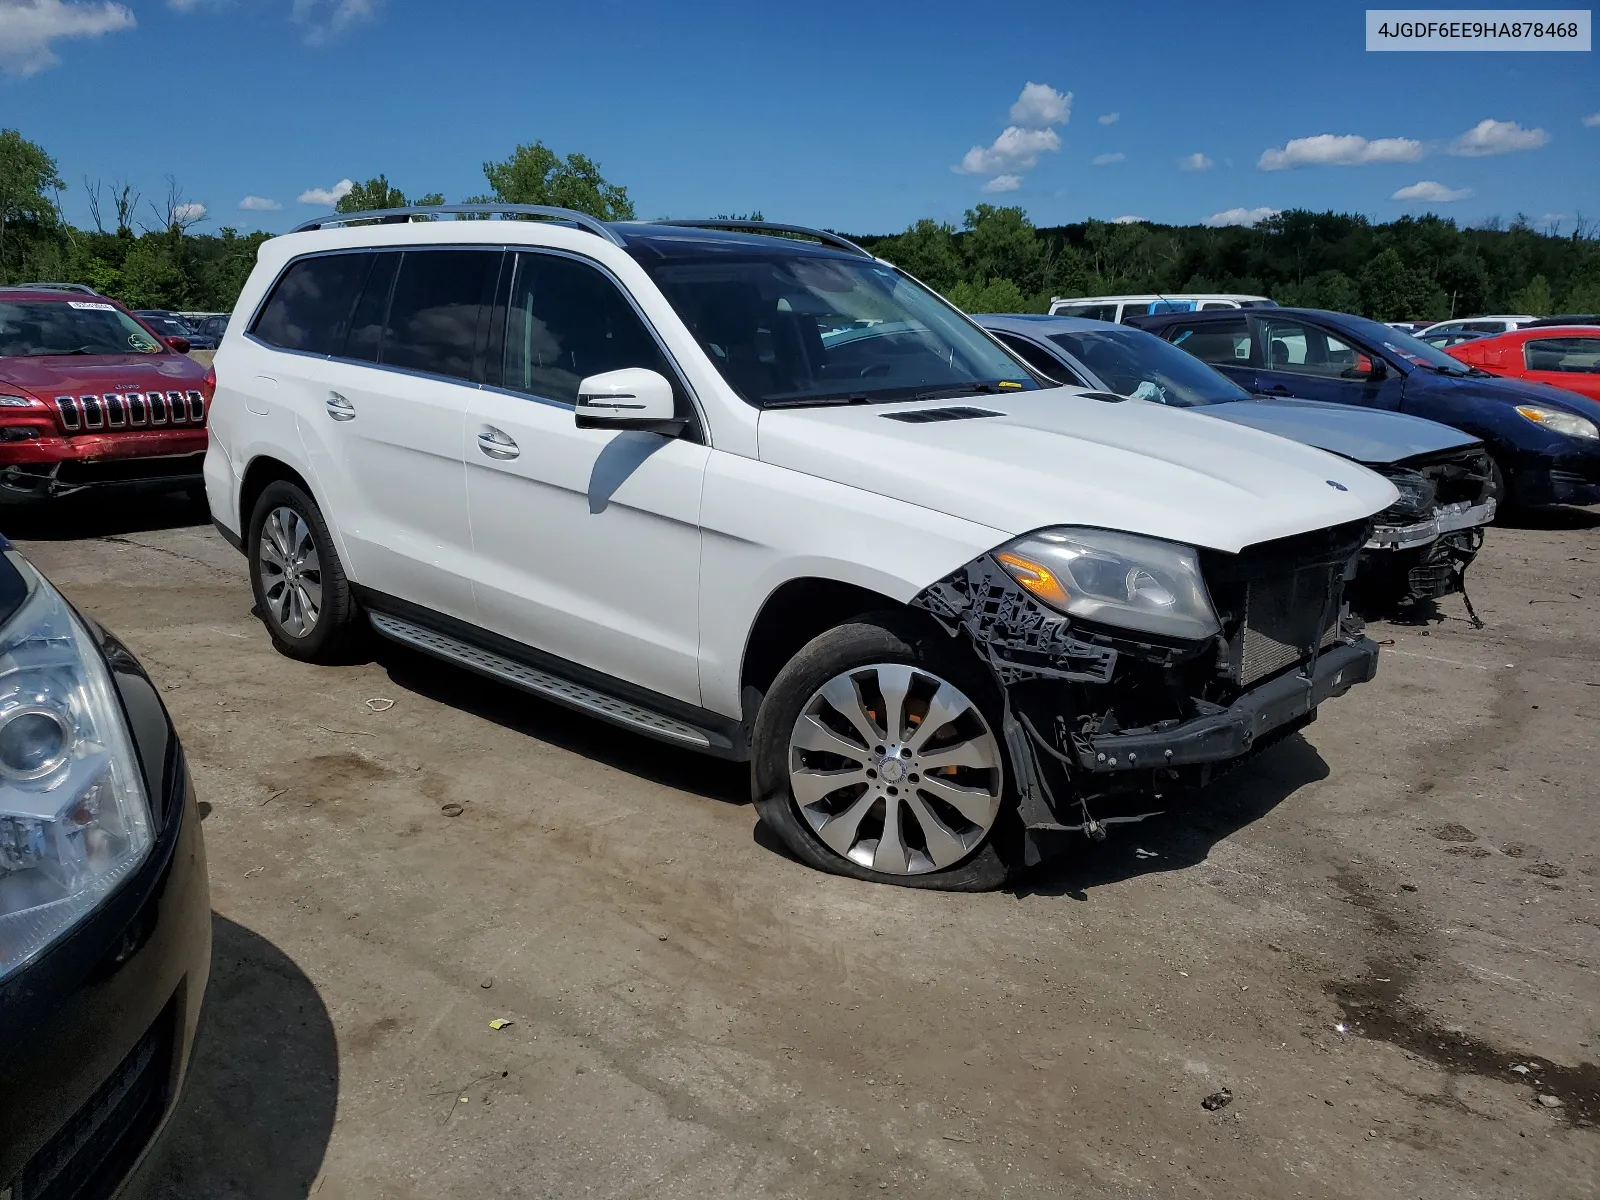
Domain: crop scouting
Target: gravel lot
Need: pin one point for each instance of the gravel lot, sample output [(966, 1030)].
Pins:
[(1382, 937)]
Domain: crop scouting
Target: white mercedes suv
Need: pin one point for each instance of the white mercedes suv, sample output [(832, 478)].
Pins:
[(750, 490)]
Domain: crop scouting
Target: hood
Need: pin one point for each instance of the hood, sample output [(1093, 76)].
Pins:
[(1363, 434), (92, 374), (1059, 457), (1504, 390)]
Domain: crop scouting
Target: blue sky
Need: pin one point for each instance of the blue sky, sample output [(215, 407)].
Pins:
[(849, 117)]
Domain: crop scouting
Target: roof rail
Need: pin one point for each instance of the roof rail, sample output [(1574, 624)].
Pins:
[(822, 235), (403, 215), (81, 288)]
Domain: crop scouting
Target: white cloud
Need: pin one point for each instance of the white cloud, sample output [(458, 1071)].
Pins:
[(1041, 106), (1105, 160), (1497, 137), (189, 212), (327, 197), (1431, 192), (1128, 219), (27, 27), (1239, 216), (259, 204), (1340, 150), (1592, 120), (1003, 183), (325, 20), (1195, 162), (1110, 118), (1014, 149)]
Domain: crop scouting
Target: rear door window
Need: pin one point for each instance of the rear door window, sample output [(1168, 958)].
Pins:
[(1089, 312), (1579, 355), (309, 308), (438, 299), (1224, 343)]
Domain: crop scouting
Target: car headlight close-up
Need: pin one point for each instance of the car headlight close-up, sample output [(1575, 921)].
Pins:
[(1557, 421), (74, 819), (1417, 494), (1117, 579)]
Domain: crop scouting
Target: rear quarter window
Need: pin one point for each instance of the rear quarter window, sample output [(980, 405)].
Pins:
[(309, 307), (1575, 355)]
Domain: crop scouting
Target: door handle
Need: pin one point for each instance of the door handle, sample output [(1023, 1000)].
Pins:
[(339, 408), (497, 443)]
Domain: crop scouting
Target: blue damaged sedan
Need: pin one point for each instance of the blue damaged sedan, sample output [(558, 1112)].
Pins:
[(1421, 545)]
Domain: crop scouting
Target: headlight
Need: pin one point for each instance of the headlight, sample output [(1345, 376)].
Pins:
[(74, 821), (1118, 579), (1557, 421), (1417, 495)]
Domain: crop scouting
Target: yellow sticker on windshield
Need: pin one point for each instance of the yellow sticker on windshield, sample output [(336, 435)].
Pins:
[(1005, 383)]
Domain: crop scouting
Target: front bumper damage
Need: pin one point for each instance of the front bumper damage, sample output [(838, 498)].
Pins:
[(1420, 547), (1104, 727)]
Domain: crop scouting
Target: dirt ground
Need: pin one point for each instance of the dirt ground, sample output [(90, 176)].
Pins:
[(1382, 937)]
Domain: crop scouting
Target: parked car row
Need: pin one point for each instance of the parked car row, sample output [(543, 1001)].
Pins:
[(1543, 441)]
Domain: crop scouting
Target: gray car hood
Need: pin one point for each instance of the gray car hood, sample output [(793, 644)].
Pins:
[(1365, 435)]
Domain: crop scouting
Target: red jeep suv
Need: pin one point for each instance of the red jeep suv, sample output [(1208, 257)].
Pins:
[(90, 397)]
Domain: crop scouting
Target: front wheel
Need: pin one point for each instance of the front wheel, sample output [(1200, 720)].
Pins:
[(877, 755)]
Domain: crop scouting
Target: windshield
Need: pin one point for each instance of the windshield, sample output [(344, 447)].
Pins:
[(1402, 345), (803, 329), (1134, 363), (36, 328)]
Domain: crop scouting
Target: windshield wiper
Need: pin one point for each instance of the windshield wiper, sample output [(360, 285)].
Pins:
[(983, 387)]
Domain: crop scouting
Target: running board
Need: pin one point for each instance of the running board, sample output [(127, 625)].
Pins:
[(543, 683)]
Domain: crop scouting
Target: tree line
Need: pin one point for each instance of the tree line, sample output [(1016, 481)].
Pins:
[(148, 253)]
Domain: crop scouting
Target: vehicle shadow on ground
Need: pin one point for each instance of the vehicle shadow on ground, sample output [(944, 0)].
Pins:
[(1184, 834), (74, 518), (258, 1107), (584, 735), (1556, 516)]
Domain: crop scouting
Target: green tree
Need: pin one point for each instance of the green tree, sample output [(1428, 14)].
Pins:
[(1583, 296), (1001, 243), (27, 173), (926, 250), (151, 275), (1535, 299), (995, 296), (1391, 291), (374, 193), (536, 175)]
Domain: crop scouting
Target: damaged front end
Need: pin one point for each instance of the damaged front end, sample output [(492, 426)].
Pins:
[(1423, 543), (1104, 724)]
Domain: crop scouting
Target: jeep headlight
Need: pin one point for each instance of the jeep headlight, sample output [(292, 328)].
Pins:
[(1118, 579), (74, 820)]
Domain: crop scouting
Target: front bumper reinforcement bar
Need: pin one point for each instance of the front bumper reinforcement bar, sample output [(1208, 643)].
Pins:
[(1232, 731)]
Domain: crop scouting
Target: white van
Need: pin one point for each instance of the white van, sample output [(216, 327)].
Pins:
[(1119, 308), (771, 499)]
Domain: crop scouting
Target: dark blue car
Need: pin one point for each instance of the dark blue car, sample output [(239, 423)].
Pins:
[(1545, 441)]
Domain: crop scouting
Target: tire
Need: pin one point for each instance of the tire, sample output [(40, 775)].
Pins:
[(975, 848), (1499, 487), (336, 628)]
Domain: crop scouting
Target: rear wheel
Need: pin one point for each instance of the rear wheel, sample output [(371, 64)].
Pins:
[(302, 595), (877, 755)]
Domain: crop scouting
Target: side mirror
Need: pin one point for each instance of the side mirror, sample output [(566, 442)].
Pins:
[(180, 344), (1367, 367), (633, 398)]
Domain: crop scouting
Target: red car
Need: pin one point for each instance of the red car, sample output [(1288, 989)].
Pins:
[(1564, 356), (89, 397)]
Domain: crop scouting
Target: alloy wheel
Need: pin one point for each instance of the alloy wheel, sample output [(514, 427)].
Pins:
[(895, 769), (291, 572)]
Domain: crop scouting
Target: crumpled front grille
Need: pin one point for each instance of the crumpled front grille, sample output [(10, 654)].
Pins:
[(130, 410)]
